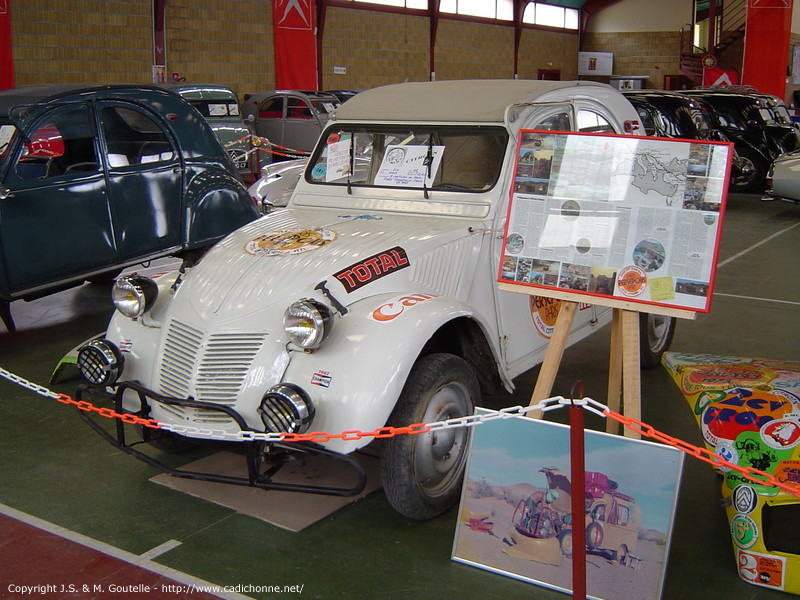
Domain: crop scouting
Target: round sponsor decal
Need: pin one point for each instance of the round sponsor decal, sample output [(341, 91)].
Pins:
[(544, 312), (744, 531), (745, 499), (781, 433), (289, 241), (631, 281), (726, 450), (333, 138), (742, 410), (319, 171)]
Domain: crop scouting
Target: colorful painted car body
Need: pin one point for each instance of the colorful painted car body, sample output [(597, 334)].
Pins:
[(367, 302), (748, 410)]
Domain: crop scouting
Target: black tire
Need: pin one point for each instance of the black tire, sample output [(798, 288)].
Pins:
[(594, 536), (655, 337), (754, 172), (621, 555), (422, 473)]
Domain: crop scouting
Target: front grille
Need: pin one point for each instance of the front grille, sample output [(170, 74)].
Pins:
[(207, 368)]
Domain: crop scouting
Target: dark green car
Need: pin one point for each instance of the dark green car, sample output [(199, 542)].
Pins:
[(93, 180)]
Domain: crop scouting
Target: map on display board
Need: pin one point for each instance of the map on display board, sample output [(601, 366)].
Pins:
[(616, 218)]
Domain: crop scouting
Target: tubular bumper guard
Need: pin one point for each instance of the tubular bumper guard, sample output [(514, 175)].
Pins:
[(260, 472)]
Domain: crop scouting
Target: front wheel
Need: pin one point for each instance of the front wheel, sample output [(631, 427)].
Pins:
[(655, 337), (753, 172), (422, 473)]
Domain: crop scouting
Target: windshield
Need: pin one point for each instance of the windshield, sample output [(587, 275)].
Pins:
[(6, 135), (467, 159), (212, 109)]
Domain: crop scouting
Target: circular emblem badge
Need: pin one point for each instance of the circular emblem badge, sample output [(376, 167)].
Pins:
[(781, 433), (289, 241), (745, 499), (744, 531), (544, 312), (631, 281)]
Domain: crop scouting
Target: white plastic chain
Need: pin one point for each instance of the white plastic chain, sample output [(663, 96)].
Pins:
[(546, 405)]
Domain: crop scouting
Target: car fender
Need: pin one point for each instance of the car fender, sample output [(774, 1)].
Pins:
[(356, 378), (210, 195)]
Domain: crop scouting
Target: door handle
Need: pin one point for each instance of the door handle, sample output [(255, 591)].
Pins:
[(5, 193)]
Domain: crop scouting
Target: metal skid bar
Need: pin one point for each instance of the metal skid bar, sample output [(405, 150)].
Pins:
[(254, 451)]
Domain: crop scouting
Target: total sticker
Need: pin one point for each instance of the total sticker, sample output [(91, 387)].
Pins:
[(744, 531), (631, 281)]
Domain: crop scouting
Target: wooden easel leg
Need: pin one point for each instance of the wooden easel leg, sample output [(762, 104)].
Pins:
[(552, 357), (615, 371), (631, 375)]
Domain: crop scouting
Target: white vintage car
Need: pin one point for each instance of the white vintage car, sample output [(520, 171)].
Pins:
[(370, 300)]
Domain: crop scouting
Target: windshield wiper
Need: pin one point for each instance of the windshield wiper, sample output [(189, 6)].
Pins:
[(427, 163)]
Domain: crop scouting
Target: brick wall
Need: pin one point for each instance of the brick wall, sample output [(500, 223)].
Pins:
[(81, 41), (654, 53)]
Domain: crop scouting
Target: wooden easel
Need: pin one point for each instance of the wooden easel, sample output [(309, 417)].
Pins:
[(624, 379)]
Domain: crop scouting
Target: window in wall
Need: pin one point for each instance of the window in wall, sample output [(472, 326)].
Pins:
[(499, 9), (420, 4), (550, 16)]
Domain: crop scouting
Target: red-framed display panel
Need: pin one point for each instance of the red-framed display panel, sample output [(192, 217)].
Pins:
[(621, 221)]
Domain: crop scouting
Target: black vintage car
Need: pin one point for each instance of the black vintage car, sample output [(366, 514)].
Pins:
[(747, 120), (671, 115), (96, 179)]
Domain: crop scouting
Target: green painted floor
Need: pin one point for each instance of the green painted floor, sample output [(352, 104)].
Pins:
[(54, 468)]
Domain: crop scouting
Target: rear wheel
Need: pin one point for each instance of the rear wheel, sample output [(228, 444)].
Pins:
[(565, 542), (753, 172), (594, 536), (422, 473), (655, 337)]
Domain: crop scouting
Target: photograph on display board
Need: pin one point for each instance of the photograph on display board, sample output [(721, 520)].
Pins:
[(516, 519), (623, 218)]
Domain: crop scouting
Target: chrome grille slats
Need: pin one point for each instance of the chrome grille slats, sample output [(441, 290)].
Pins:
[(226, 360)]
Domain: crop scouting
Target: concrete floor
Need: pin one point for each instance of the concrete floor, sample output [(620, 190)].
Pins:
[(54, 470)]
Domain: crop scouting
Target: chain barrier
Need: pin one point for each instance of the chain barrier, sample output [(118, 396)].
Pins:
[(256, 143), (546, 405)]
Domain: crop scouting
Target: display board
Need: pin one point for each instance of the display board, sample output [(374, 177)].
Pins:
[(616, 220)]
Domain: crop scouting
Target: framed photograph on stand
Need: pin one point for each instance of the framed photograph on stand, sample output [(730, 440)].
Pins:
[(515, 517)]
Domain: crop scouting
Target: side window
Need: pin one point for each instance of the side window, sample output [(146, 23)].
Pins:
[(298, 109), (133, 138), (593, 122), (62, 143), (272, 108), (555, 122)]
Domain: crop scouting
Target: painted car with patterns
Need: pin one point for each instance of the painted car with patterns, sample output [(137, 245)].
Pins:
[(371, 300)]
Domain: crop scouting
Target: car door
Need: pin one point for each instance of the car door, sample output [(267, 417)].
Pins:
[(302, 126), (145, 181), (270, 119), (55, 223), (526, 322)]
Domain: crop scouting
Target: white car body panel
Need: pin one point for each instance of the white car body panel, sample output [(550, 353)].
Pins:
[(445, 269)]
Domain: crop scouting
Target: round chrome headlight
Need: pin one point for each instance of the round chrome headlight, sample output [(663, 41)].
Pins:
[(100, 362), (286, 408), (308, 323), (134, 295)]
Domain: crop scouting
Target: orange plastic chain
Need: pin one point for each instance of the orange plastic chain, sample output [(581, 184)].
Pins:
[(703, 454), (639, 427)]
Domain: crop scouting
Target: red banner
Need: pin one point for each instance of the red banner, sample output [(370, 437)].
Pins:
[(766, 45), (295, 32), (6, 56)]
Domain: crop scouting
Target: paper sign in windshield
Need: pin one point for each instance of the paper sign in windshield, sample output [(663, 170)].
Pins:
[(409, 166)]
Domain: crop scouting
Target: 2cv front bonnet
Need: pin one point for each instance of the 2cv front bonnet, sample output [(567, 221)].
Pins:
[(239, 292)]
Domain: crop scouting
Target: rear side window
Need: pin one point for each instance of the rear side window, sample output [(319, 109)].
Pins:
[(593, 122), (134, 138)]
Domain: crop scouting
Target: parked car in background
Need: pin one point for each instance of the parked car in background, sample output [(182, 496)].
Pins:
[(219, 105), (746, 119), (290, 120), (343, 95), (371, 300), (671, 115), (96, 179), (783, 178), (276, 184)]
